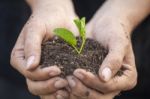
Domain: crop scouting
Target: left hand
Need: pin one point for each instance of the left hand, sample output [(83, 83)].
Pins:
[(113, 34)]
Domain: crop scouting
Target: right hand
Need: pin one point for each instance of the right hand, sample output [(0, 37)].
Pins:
[(25, 56), (49, 89)]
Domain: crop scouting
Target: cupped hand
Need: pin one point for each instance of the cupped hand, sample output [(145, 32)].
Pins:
[(113, 34), (26, 53), (80, 91)]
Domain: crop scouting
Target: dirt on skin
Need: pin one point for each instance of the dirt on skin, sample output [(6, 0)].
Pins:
[(57, 52)]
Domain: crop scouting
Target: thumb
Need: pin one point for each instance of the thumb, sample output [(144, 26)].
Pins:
[(112, 63), (34, 34)]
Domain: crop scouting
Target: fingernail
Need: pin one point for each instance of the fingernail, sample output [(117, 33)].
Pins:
[(54, 71), (79, 75), (71, 82), (59, 84), (106, 74), (59, 97), (30, 61)]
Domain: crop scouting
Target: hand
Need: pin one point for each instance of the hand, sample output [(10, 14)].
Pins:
[(26, 53), (49, 89), (79, 91), (113, 34), (39, 28)]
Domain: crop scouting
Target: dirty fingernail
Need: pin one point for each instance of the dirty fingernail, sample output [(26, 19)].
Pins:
[(106, 74), (71, 82), (79, 75), (59, 97), (59, 84), (30, 61)]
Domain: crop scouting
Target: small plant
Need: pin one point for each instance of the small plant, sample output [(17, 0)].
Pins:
[(69, 37)]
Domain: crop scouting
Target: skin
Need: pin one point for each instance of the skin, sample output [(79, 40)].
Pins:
[(39, 28), (112, 26)]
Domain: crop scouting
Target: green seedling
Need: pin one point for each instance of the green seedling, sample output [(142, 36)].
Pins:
[(69, 37)]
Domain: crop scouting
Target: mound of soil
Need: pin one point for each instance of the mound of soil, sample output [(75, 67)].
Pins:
[(57, 52)]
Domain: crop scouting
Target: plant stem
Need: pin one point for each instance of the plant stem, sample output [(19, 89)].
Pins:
[(82, 45), (76, 49)]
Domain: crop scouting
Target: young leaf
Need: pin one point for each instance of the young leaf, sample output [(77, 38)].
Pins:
[(66, 35), (81, 26), (78, 24)]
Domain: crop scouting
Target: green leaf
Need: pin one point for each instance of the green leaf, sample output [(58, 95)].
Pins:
[(81, 26), (78, 24), (66, 35)]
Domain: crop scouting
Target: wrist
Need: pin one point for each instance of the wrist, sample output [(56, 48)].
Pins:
[(49, 6), (108, 18), (127, 12)]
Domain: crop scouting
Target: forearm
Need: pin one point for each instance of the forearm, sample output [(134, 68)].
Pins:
[(129, 12), (48, 5)]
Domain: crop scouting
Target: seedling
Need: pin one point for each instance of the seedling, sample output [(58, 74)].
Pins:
[(69, 37)]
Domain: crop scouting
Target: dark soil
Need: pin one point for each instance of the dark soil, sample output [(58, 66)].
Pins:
[(57, 52)]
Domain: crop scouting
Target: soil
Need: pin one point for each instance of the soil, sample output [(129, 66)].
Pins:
[(57, 52)]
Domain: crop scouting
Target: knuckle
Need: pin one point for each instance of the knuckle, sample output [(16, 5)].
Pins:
[(80, 91), (115, 63), (30, 75), (63, 93), (12, 61), (107, 88), (131, 85), (35, 24), (34, 92), (31, 89), (133, 82), (47, 86), (111, 86), (125, 43)]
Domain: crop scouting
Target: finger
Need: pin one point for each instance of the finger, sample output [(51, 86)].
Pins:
[(80, 91), (112, 62), (60, 94), (17, 55), (129, 58), (124, 82), (127, 81), (19, 63), (46, 87), (129, 78), (49, 96), (42, 73), (34, 35), (90, 80)]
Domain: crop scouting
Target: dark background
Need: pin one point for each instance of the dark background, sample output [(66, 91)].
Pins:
[(14, 14)]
